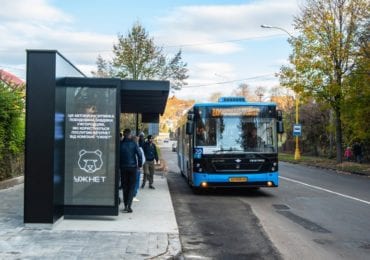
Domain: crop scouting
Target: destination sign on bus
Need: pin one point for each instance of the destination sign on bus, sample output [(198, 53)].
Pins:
[(235, 111)]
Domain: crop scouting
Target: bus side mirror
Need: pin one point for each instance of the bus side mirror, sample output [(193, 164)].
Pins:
[(189, 128), (279, 123), (280, 127)]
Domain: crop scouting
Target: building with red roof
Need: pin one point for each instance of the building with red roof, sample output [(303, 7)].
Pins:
[(10, 79)]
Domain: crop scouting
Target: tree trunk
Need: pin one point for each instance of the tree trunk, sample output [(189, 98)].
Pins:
[(338, 135), (331, 138)]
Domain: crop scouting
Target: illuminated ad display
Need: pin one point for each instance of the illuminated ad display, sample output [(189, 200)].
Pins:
[(90, 148), (235, 111)]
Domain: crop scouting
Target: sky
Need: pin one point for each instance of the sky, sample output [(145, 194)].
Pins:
[(222, 41)]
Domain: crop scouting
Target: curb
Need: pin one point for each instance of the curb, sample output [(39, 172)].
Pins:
[(11, 182)]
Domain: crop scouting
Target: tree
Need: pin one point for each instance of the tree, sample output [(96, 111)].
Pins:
[(244, 91), (137, 57), (356, 107), (314, 119), (11, 126), (215, 96), (176, 72), (260, 92), (325, 53), (104, 68)]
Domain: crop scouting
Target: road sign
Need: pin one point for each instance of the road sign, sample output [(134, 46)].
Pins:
[(297, 130)]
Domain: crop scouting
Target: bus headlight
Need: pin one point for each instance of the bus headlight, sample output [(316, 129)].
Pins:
[(272, 169), (269, 183), (204, 184)]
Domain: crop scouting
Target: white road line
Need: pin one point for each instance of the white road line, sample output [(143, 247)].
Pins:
[(330, 191)]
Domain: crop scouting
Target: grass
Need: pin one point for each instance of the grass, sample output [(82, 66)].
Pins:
[(352, 167)]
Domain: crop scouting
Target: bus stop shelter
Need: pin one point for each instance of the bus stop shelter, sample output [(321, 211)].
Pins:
[(72, 136)]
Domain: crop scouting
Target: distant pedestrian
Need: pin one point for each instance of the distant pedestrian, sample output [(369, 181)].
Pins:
[(348, 153), (130, 160), (138, 172), (357, 151), (141, 139), (150, 151)]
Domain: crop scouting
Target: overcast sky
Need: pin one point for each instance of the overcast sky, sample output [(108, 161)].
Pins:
[(222, 41)]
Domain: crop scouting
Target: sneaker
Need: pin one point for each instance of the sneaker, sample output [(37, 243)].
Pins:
[(129, 210), (142, 185), (151, 187), (135, 199)]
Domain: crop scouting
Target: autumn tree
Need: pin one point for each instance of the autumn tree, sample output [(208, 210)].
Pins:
[(244, 90), (356, 104), (260, 92), (325, 53), (215, 96)]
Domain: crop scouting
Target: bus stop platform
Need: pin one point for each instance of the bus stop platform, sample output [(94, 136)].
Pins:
[(150, 232)]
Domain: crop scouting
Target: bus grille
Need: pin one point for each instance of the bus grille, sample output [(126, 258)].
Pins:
[(236, 167)]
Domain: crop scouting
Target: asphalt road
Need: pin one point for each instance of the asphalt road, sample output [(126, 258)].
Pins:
[(317, 214), (313, 214)]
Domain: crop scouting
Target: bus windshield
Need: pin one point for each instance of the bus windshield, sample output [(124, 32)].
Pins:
[(235, 130)]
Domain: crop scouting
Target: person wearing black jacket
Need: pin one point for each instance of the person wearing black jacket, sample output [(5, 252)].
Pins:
[(150, 152), (130, 160)]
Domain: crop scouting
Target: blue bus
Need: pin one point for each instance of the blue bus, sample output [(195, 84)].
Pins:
[(230, 143)]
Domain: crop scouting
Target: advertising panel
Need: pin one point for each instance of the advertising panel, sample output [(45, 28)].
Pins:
[(90, 146)]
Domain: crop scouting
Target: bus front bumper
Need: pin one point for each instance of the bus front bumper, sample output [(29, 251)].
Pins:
[(206, 180)]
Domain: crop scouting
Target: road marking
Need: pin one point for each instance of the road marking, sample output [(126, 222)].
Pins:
[(323, 189)]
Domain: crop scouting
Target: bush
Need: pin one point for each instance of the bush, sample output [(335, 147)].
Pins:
[(12, 134)]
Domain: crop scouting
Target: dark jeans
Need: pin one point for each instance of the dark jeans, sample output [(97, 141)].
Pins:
[(128, 181)]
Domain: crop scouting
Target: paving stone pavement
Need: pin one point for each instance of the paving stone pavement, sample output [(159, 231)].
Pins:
[(18, 241)]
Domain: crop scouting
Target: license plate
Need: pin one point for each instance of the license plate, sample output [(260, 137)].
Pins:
[(238, 179)]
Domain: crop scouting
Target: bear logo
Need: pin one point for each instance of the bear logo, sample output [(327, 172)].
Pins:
[(90, 161)]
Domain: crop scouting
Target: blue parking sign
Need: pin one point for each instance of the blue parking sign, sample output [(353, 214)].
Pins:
[(297, 130)]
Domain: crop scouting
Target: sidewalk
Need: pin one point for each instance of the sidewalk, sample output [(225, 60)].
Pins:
[(150, 232)]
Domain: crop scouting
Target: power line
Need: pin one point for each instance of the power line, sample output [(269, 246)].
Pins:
[(211, 43), (229, 81), (172, 46)]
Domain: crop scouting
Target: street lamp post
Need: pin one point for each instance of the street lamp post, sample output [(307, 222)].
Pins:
[(297, 153)]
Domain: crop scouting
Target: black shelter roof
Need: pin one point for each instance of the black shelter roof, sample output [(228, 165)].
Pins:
[(144, 96)]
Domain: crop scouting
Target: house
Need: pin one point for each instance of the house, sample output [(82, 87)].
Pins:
[(10, 79)]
